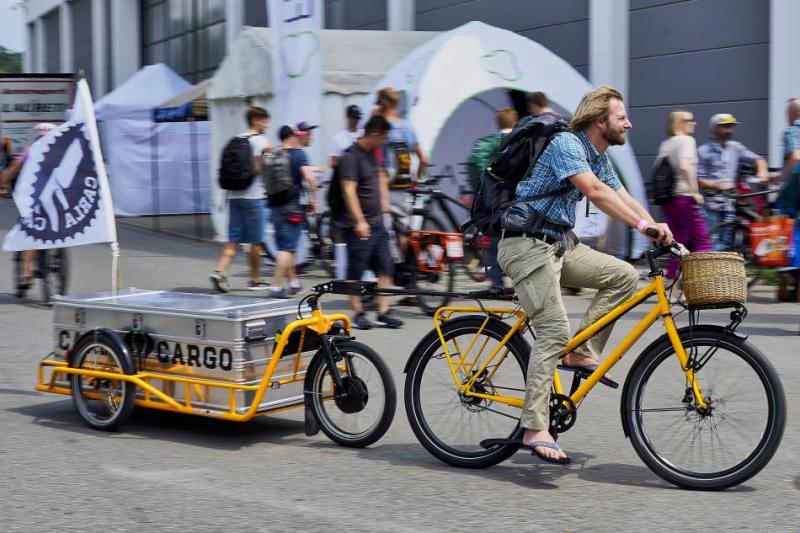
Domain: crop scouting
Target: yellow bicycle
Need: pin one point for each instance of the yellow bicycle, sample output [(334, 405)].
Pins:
[(703, 408)]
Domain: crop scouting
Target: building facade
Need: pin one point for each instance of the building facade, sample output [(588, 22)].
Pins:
[(706, 56)]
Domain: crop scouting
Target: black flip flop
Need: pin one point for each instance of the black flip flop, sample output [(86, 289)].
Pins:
[(586, 371)]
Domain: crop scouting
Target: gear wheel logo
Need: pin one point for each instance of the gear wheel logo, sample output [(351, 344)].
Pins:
[(66, 191)]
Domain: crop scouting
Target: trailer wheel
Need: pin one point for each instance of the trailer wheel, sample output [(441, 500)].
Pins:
[(103, 402)]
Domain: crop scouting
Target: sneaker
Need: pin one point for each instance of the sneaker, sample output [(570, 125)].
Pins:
[(294, 289), (360, 321), (278, 293), (386, 320), (220, 282), (257, 285)]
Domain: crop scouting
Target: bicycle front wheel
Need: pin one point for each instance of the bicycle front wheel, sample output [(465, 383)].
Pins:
[(360, 411), (446, 421), (714, 449)]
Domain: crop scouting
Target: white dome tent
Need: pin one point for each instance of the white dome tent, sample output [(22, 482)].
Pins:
[(451, 83)]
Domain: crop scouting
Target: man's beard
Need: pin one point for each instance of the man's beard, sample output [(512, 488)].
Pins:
[(613, 138)]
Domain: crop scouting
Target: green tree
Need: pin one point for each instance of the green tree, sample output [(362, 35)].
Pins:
[(10, 61)]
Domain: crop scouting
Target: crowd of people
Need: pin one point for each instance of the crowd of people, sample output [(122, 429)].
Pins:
[(367, 164), (370, 162)]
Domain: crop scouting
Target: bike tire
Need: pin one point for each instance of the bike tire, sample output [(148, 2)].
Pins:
[(753, 270), (469, 454), (740, 358), (62, 271), (110, 354), (16, 275), (325, 408), (475, 261), (419, 280), (46, 275), (322, 243)]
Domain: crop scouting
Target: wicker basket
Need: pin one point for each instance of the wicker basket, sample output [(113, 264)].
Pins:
[(714, 278)]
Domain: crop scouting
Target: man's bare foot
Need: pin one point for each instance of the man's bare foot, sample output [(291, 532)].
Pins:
[(576, 359), (545, 436)]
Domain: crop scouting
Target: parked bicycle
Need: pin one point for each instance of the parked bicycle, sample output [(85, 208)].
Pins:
[(750, 207), (711, 421), (427, 201), (51, 269)]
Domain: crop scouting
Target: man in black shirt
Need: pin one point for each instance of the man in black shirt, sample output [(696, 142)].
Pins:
[(366, 197)]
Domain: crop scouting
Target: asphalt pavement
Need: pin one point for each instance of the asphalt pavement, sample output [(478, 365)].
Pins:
[(169, 472)]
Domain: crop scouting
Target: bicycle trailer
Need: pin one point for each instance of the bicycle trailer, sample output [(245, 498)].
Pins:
[(198, 352)]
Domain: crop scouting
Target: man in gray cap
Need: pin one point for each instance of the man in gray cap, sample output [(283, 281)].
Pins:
[(718, 163)]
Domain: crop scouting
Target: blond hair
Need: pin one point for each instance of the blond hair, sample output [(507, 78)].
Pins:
[(506, 118), (674, 120), (594, 106), (388, 96)]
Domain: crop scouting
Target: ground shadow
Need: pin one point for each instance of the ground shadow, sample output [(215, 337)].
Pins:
[(174, 427)]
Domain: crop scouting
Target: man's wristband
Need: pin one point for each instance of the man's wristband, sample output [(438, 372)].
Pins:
[(642, 225)]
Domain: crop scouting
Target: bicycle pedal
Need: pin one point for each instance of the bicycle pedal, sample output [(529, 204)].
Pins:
[(491, 443), (585, 373)]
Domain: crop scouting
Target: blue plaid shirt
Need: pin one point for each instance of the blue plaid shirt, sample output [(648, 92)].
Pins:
[(564, 157)]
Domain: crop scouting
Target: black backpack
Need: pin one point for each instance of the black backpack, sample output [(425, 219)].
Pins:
[(278, 174), (336, 198), (661, 186), (519, 151), (236, 166)]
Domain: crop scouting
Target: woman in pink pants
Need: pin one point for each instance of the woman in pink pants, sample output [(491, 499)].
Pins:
[(684, 213)]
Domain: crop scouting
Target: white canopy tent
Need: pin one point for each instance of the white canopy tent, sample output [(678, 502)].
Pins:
[(150, 165), (452, 84), (353, 61)]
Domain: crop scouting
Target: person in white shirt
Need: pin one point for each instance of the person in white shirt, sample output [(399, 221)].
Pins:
[(346, 137), (247, 210)]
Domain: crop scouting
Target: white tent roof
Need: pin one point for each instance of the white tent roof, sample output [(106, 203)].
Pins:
[(443, 73), (148, 88), (352, 60)]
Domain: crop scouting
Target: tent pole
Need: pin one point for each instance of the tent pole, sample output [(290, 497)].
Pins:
[(154, 176), (195, 178)]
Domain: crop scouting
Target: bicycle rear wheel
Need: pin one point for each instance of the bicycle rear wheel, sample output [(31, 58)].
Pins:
[(475, 258), (53, 273), (716, 449), (450, 424), (359, 412)]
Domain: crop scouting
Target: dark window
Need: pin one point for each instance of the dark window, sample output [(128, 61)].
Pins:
[(187, 35)]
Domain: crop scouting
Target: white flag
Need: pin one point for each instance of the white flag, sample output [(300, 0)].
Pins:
[(62, 190), (297, 64)]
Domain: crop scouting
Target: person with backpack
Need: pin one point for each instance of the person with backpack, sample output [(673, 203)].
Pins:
[(358, 198), (240, 176), (484, 150), (539, 251), (681, 201), (288, 174)]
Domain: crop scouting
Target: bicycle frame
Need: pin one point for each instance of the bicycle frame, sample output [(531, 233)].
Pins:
[(661, 309)]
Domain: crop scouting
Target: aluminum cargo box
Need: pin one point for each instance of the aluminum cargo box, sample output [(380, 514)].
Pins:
[(211, 337)]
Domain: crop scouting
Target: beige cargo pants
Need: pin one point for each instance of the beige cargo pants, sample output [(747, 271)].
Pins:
[(538, 275)]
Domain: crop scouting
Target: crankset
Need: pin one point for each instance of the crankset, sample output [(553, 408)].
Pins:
[(563, 413)]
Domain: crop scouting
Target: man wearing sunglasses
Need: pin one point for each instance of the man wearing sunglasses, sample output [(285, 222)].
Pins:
[(718, 163)]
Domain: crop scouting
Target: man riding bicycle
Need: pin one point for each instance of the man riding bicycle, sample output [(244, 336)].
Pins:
[(573, 165), (7, 180), (718, 162)]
